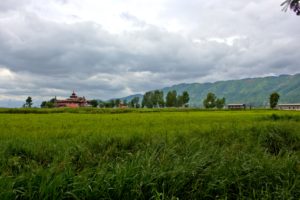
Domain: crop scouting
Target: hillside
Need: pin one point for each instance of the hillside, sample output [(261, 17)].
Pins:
[(254, 91)]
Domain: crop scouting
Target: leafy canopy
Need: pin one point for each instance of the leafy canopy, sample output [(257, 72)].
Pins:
[(294, 5), (274, 98)]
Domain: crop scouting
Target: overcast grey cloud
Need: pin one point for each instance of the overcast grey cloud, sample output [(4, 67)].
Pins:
[(111, 49)]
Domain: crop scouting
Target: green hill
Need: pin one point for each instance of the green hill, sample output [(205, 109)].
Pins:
[(253, 91)]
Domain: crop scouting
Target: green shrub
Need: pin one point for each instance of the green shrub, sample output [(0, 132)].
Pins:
[(280, 139)]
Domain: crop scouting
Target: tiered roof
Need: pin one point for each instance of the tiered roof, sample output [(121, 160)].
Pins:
[(74, 100)]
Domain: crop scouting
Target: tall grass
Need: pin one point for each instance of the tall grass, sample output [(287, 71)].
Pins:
[(156, 155)]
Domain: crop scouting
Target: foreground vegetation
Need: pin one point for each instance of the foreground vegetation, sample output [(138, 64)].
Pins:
[(150, 155)]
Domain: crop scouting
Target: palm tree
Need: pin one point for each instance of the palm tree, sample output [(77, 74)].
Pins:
[(294, 5)]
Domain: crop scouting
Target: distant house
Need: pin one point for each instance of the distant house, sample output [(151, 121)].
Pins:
[(122, 105), (289, 106), (73, 102), (236, 106)]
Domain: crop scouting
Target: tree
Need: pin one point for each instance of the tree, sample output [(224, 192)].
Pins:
[(110, 104), (294, 5), (101, 104), (117, 102), (220, 103), (182, 99), (185, 98), (171, 99), (53, 100), (153, 99), (48, 104), (94, 103), (210, 101), (158, 99), (43, 104), (274, 97), (179, 101), (134, 103), (148, 100), (28, 103)]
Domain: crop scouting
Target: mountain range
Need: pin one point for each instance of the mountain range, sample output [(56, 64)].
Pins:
[(252, 91)]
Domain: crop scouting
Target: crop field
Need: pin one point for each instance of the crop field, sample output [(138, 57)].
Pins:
[(149, 154)]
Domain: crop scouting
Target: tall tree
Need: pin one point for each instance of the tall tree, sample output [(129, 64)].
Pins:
[(274, 98), (158, 98), (134, 103), (210, 101), (171, 98), (111, 103), (148, 100), (220, 103), (117, 102), (28, 103), (185, 98), (179, 101)]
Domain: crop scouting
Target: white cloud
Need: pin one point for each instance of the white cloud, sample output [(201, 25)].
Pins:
[(6, 74), (228, 41)]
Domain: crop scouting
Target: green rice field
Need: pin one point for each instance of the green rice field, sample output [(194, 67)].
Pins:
[(149, 154)]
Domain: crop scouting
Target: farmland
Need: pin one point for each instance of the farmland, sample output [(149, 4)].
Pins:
[(149, 154)]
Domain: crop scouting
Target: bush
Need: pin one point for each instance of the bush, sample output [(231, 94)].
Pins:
[(280, 139)]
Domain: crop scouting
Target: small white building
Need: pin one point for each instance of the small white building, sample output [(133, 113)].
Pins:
[(289, 106)]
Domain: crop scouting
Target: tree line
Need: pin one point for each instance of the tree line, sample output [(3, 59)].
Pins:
[(133, 103), (155, 99), (151, 99)]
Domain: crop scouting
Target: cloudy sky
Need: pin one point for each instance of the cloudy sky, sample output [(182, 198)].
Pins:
[(104, 49)]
